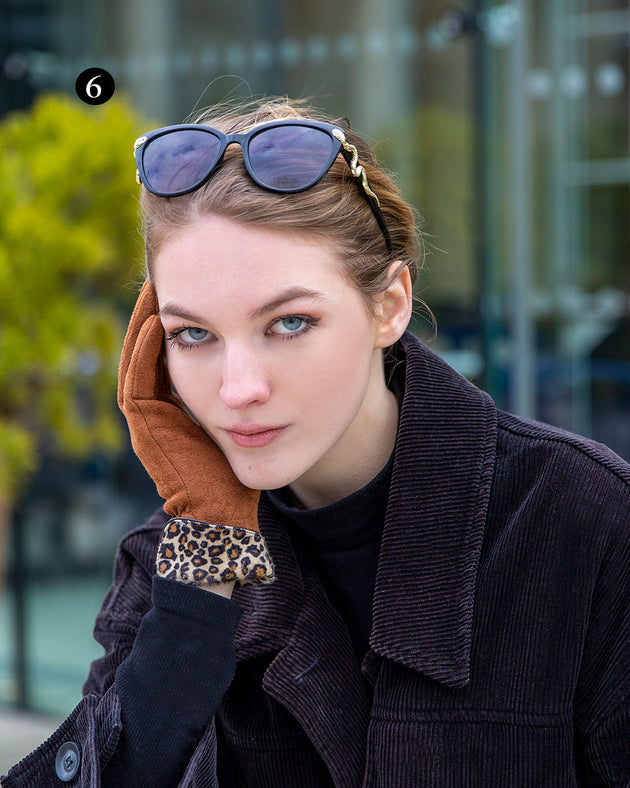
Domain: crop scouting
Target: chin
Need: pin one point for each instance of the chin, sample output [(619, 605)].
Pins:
[(264, 479)]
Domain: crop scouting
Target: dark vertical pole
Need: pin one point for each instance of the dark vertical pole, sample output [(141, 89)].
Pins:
[(482, 252), (271, 23), (4, 53), (18, 582)]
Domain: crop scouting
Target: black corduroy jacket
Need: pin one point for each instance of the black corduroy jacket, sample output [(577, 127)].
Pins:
[(500, 647)]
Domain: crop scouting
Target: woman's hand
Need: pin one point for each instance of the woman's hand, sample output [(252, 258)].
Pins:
[(212, 536)]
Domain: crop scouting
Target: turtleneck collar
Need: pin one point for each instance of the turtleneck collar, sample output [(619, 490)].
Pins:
[(344, 524)]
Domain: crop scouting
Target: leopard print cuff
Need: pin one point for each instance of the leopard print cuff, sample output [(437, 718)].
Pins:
[(200, 553)]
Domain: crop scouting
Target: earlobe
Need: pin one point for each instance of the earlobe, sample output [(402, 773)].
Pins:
[(395, 307)]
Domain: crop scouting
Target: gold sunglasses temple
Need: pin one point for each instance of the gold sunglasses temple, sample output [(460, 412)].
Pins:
[(355, 168), (352, 158)]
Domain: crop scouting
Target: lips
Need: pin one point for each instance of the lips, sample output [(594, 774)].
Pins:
[(254, 435)]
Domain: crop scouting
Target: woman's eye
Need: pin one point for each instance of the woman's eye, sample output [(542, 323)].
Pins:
[(288, 325), (194, 334), (187, 338), (293, 326)]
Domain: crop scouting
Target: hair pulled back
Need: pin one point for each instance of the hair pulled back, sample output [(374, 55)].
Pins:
[(335, 209)]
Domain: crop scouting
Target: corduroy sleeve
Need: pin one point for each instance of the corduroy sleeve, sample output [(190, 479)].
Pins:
[(603, 696), (169, 657), (180, 666)]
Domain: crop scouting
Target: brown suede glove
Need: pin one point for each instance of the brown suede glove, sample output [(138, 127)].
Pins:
[(212, 536)]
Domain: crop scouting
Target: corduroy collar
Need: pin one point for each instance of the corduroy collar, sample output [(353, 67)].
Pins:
[(444, 457), (425, 584)]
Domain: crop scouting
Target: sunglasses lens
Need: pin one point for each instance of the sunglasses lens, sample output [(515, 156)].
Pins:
[(179, 161), (290, 158)]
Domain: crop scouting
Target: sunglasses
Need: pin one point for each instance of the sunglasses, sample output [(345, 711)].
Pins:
[(283, 156)]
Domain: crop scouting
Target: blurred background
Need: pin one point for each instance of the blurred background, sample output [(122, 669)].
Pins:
[(508, 125)]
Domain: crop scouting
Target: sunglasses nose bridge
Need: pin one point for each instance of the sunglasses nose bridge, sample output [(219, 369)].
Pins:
[(231, 139)]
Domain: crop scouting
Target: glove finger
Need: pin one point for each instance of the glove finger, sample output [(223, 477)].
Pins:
[(142, 378), (146, 305)]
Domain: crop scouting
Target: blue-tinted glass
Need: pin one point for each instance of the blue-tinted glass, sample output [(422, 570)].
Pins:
[(290, 157), (178, 161)]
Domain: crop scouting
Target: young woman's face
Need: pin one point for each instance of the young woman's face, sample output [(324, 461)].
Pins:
[(273, 353)]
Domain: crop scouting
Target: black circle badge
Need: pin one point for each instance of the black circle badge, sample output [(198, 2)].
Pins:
[(95, 86)]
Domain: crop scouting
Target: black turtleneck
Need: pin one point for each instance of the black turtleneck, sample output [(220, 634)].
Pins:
[(342, 542)]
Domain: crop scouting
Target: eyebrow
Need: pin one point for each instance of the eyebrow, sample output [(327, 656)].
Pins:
[(292, 294)]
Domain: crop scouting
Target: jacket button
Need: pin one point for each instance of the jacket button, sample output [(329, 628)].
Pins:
[(67, 761)]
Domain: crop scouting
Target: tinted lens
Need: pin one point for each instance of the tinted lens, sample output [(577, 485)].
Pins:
[(290, 157), (179, 160)]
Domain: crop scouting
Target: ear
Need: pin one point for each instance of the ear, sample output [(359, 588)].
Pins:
[(394, 307)]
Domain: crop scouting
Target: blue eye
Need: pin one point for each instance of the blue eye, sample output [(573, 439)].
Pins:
[(188, 338), (196, 334), (290, 324), (293, 326)]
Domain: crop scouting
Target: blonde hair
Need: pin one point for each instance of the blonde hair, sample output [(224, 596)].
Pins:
[(335, 209)]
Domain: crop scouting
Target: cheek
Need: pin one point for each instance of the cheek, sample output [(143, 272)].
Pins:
[(188, 377), (336, 378)]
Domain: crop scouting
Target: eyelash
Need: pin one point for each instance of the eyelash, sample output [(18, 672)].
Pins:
[(173, 338), (310, 323)]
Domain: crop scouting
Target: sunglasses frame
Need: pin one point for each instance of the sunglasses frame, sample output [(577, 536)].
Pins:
[(337, 135)]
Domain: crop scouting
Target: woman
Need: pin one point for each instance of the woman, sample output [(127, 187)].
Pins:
[(427, 592)]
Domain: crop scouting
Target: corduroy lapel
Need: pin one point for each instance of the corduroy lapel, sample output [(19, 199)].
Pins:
[(425, 585)]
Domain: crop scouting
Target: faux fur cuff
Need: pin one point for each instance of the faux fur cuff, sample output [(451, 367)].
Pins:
[(200, 553)]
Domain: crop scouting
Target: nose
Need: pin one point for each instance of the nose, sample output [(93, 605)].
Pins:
[(244, 380)]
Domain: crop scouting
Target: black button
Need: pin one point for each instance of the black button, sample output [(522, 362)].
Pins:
[(67, 761)]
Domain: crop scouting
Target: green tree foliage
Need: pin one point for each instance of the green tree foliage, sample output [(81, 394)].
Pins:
[(68, 250)]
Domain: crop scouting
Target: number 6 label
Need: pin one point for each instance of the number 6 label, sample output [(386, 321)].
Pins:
[(93, 89), (95, 86)]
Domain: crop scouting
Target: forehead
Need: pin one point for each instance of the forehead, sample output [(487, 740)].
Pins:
[(215, 250), (220, 266)]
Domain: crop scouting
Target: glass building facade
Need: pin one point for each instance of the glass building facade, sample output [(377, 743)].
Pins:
[(508, 126)]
